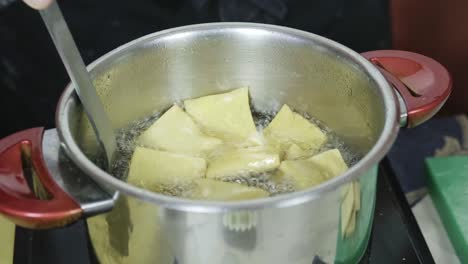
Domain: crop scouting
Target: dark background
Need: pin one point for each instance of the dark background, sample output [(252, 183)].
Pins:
[(32, 76)]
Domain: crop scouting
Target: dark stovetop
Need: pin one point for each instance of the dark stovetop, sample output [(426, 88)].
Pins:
[(396, 237)]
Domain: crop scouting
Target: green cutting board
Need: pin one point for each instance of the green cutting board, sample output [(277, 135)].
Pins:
[(448, 186)]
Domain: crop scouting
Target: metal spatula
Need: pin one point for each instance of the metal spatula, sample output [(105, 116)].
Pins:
[(63, 40)]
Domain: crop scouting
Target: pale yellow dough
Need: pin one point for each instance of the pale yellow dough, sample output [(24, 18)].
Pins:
[(145, 241), (357, 195), (289, 128), (151, 168), (175, 131), (226, 116), (209, 189), (356, 190), (294, 152), (302, 174), (351, 225), (347, 210), (216, 138), (7, 240), (242, 161), (331, 161), (307, 173)]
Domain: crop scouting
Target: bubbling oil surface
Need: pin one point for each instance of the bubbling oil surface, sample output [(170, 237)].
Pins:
[(126, 143)]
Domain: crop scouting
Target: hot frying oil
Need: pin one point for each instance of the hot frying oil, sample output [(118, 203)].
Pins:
[(126, 143)]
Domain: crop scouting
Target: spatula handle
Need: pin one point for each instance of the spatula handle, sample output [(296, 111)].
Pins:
[(71, 58)]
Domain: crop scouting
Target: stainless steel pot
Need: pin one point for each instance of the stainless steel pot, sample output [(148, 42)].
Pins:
[(363, 98)]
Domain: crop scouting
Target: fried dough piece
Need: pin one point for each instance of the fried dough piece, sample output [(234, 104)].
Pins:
[(347, 210), (289, 128), (242, 162), (176, 132), (151, 169), (226, 116), (331, 161), (215, 190), (302, 174)]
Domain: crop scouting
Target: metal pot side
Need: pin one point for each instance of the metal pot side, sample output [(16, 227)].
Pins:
[(279, 65)]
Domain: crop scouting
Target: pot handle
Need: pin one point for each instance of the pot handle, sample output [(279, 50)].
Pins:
[(24, 200), (422, 84), (40, 188)]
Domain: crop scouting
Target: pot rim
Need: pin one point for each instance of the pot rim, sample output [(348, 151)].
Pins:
[(376, 153)]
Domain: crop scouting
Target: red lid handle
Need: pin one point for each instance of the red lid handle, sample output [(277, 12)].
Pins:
[(17, 201), (423, 83)]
